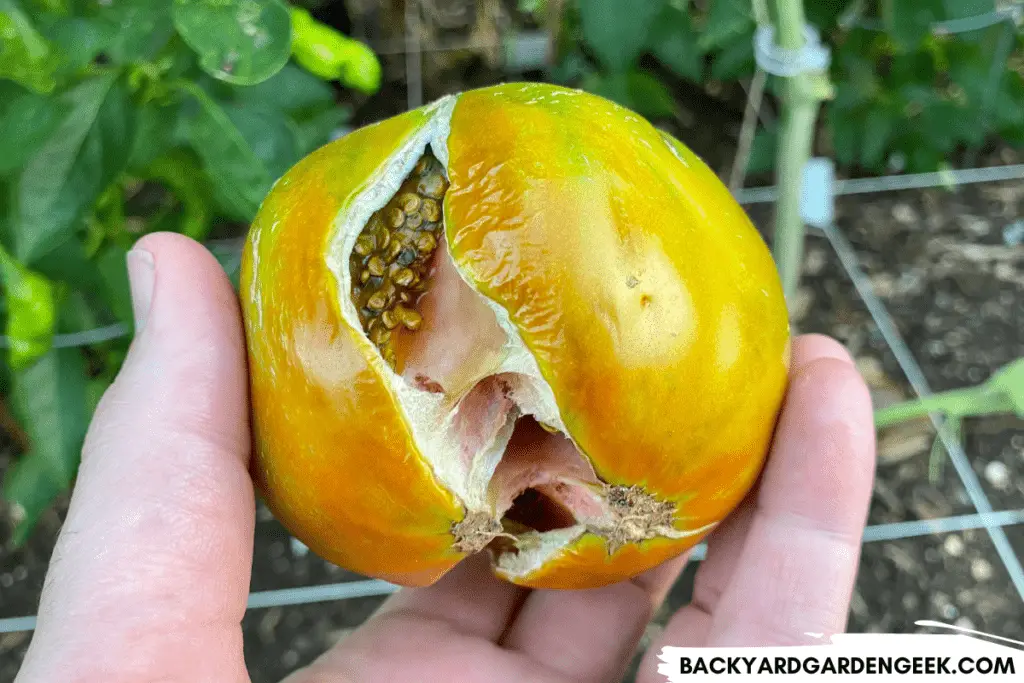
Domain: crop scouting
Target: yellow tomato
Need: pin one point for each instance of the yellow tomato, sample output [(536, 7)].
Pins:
[(591, 275)]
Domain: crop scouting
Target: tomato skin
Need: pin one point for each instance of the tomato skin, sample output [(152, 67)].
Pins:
[(648, 299)]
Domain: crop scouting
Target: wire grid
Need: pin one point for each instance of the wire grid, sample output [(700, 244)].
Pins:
[(984, 517)]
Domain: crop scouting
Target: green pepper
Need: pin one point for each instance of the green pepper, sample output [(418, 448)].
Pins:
[(180, 172), (325, 53), (31, 312), (25, 56)]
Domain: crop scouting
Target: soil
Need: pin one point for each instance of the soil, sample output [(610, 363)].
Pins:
[(941, 262)]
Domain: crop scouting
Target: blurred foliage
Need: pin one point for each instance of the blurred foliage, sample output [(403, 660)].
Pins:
[(118, 119), (909, 92)]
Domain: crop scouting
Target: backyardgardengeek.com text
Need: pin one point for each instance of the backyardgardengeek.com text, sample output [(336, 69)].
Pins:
[(739, 665)]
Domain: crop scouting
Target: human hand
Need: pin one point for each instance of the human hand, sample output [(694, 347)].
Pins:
[(151, 571)]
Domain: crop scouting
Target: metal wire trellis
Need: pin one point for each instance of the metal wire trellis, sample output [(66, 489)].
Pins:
[(848, 258), (1012, 13), (348, 590), (985, 517)]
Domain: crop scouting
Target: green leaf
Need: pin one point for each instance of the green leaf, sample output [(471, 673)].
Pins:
[(637, 90), (26, 121), (857, 72), (31, 312), (617, 31), (736, 59), (878, 126), (762, 151), (944, 127), (79, 40), (49, 399), (914, 69), (923, 158), (94, 389), (6, 200), (82, 157), (674, 42), (230, 258), (238, 41), (316, 129), (726, 21), (1009, 104), (848, 97), (650, 96), (1009, 381), (826, 14), (56, 7), (970, 72), (571, 69), (916, 98), (156, 124), (25, 56), (961, 9), (140, 28), (240, 178), (67, 263), (909, 22), (30, 487), (844, 129), (290, 90), (268, 135), (105, 219), (111, 264), (78, 313)]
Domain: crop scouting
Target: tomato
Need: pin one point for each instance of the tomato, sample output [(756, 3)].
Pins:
[(519, 319)]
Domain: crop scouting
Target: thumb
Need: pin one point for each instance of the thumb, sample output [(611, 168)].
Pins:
[(151, 571)]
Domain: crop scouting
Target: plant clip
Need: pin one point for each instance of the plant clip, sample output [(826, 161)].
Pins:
[(780, 61)]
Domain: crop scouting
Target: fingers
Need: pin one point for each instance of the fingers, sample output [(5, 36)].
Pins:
[(691, 625), (585, 635), (657, 582), (151, 568), (726, 543), (589, 635), (443, 632), (469, 598), (795, 572), (463, 613)]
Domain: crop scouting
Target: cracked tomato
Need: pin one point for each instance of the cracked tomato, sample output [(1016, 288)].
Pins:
[(518, 320)]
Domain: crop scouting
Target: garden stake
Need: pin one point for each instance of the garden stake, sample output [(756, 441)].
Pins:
[(803, 92)]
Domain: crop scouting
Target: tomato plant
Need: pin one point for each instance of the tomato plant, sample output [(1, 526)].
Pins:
[(118, 119), (916, 80)]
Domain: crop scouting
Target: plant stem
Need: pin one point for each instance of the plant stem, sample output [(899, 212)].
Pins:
[(801, 97), (956, 403)]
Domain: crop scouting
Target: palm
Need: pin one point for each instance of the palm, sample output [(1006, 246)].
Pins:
[(800, 528), (473, 628), (150, 575)]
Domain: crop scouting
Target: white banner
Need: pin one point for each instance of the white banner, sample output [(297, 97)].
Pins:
[(856, 657)]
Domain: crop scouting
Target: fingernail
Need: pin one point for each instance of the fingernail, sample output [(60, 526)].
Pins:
[(141, 273)]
